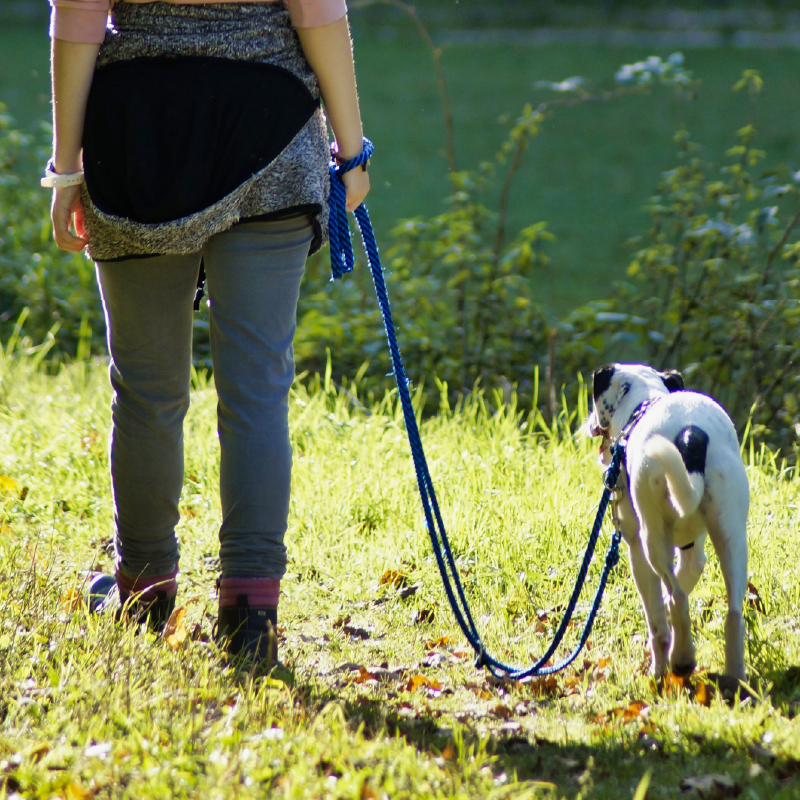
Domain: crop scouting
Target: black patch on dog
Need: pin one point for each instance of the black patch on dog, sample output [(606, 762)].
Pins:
[(601, 380), (673, 380), (692, 444)]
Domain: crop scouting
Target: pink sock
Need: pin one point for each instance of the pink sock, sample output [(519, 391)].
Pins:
[(148, 587), (259, 591)]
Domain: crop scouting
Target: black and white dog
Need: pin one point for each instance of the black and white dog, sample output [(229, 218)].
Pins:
[(683, 478)]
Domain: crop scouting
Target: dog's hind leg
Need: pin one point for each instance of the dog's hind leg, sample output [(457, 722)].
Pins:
[(649, 586), (657, 518), (691, 563), (660, 554), (730, 543)]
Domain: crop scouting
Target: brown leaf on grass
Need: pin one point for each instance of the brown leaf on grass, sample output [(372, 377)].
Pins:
[(71, 601), (546, 685), (74, 791), (502, 711), (416, 682), (461, 653), (482, 694), (175, 632), (341, 622), (449, 752), (753, 599), (625, 713), (675, 684), (704, 693), (376, 675), (423, 616), (714, 786), (37, 752), (367, 792), (440, 641), (394, 577)]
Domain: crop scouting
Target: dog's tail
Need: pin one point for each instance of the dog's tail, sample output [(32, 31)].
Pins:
[(685, 488)]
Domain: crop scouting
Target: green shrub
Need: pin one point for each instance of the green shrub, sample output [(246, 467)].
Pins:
[(56, 287), (714, 287)]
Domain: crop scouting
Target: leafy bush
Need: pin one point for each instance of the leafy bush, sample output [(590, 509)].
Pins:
[(57, 288), (714, 286)]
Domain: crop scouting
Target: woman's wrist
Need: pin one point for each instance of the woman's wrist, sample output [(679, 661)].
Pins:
[(64, 165)]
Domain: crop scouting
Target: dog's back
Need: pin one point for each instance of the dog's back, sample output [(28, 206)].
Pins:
[(687, 444)]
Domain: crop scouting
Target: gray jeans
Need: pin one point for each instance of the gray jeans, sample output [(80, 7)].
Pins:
[(253, 274)]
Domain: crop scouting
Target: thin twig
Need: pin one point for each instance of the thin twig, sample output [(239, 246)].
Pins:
[(436, 56), (775, 250)]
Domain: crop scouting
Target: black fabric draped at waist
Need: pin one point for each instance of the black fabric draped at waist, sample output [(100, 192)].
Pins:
[(166, 137)]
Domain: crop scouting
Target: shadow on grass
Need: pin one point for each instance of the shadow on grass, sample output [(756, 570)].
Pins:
[(610, 767)]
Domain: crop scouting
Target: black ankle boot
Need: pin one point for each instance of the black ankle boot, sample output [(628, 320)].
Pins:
[(249, 631), (155, 611), (104, 597)]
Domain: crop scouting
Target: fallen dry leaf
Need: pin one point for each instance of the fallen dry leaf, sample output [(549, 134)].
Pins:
[(175, 633), (376, 675), (422, 682), (627, 713), (441, 641), (74, 791), (675, 684), (503, 711), (71, 601), (394, 577), (546, 685), (38, 751), (423, 616), (449, 753), (704, 693)]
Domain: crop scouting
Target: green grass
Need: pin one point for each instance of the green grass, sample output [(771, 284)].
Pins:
[(94, 709), (588, 174)]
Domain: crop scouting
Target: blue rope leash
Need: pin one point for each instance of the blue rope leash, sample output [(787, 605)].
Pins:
[(342, 261)]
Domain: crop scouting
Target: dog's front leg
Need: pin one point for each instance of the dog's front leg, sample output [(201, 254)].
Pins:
[(649, 586)]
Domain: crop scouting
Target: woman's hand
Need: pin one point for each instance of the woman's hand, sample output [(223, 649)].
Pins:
[(356, 182), (67, 207)]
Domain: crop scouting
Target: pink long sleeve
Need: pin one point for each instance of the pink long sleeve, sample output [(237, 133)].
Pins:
[(79, 20), (315, 13)]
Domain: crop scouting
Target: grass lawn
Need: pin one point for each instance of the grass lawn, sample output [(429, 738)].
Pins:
[(380, 698), (588, 174)]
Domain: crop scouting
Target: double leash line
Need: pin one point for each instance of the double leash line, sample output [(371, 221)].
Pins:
[(342, 262)]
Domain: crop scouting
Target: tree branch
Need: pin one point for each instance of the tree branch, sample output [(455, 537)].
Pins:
[(436, 56)]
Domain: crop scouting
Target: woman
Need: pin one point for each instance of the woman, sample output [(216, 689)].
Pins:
[(199, 133)]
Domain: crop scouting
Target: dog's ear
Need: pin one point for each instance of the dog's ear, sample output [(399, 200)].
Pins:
[(601, 380), (673, 380)]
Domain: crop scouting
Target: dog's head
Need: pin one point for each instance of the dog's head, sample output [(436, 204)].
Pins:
[(618, 388)]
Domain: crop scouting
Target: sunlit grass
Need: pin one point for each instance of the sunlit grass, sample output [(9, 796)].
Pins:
[(88, 706)]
